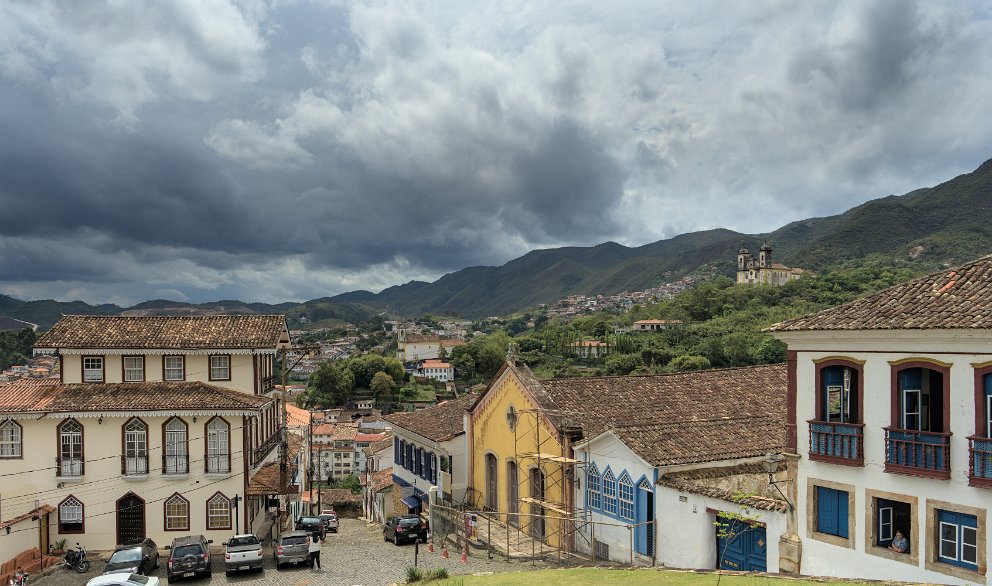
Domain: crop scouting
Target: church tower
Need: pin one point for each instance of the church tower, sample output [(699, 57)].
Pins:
[(765, 256)]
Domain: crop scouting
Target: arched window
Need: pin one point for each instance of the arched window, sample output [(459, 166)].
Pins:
[(10, 439), (610, 492), (71, 515), (594, 498), (626, 497), (176, 453), (70, 458), (176, 513), (218, 512), (218, 446), (512, 492), (135, 448), (492, 486)]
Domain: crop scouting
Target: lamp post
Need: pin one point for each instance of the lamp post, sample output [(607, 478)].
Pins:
[(234, 505)]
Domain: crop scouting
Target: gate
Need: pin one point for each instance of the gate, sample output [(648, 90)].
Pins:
[(744, 549), (130, 519)]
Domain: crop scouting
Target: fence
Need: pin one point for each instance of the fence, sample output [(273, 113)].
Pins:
[(552, 538)]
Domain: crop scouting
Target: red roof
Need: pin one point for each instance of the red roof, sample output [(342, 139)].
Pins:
[(369, 437)]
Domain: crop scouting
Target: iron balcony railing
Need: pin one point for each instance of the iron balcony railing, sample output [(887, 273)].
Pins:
[(218, 463), (134, 464), (980, 461), (918, 453), (267, 446), (175, 464), (69, 467), (268, 384), (839, 443)]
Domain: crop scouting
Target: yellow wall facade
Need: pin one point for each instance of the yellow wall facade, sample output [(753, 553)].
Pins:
[(197, 368), (493, 435)]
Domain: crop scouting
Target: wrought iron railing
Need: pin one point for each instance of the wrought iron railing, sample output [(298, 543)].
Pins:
[(980, 461), (266, 447), (217, 463), (175, 464), (840, 443), (135, 464), (68, 467), (268, 384), (918, 453)]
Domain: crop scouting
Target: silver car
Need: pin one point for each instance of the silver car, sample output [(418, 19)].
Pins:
[(293, 548), (242, 552)]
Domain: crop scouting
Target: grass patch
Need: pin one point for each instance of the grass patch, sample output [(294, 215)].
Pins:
[(646, 576)]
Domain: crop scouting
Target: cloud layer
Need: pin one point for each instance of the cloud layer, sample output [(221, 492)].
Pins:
[(278, 150)]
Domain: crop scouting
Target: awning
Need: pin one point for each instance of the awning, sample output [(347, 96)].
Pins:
[(425, 497), (411, 501)]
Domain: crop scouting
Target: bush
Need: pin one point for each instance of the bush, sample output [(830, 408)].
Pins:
[(623, 363), (414, 574), (689, 362), (436, 574)]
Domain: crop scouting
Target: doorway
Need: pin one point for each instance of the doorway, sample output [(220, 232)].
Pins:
[(130, 519)]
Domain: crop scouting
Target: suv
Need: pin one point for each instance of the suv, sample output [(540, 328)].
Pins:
[(188, 557), (406, 528), (292, 548), (139, 558), (311, 525), (330, 520)]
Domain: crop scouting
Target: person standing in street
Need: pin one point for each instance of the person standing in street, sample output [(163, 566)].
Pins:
[(313, 548)]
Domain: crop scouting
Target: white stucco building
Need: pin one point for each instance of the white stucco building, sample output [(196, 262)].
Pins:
[(891, 421)]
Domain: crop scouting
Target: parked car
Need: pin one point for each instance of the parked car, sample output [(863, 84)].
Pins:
[(407, 528), (189, 556), (311, 525), (123, 580), (140, 558), (292, 548), (242, 552), (330, 520)]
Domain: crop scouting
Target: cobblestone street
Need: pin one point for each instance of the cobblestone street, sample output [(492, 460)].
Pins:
[(356, 555)]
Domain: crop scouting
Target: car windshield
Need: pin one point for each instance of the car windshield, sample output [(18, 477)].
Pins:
[(185, 550), (138, 579), (409, 522), (125, 555), (243, 540), (294, 540)]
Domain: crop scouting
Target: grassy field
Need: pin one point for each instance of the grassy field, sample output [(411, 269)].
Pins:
[(583, 576)]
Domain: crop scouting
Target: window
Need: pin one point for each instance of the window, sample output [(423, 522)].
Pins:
[(71, 515), (220, 367), (10, 439), (396, 451), (92, 369), (892, 517), (134, 369), (839, 394), (626, 497), (173, 368), (176, 513), (135, 448), (957, 539), (176, 455), (70, 459), (594, 499), (831, 512), (512, 493), (492, 486), (218, 512), (218, 446), (920, 397), (609, 492)]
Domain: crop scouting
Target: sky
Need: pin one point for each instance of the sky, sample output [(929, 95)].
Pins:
[(282, 151)]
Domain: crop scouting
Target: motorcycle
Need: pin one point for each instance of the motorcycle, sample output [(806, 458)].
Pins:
[(76, 559), (20, 578)]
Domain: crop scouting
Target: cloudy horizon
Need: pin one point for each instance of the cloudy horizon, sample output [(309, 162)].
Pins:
[(283, 151)]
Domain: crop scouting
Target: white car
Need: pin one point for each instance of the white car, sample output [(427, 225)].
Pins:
[(123, 580)]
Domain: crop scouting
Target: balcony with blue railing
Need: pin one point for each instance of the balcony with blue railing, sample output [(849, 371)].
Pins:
[(980, 461), (918, 453), (837, 443)]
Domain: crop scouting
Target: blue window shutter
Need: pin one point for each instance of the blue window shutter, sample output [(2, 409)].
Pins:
[(841, 513), (826, 511)]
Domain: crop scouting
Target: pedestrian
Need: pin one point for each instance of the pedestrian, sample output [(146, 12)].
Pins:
[(313, 548)]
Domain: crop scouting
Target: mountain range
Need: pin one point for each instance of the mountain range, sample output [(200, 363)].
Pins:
[(930, 227)]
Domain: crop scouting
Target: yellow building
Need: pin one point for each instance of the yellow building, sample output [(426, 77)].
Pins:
[(520, 457)]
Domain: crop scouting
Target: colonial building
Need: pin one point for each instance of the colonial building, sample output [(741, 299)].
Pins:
[(417, 347), (751, 271), (437, 370), (890, 413), (156, 428)]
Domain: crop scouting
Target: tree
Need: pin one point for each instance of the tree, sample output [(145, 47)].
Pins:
[(329, 386), (623, 363), (772, 351), (382, 384), (689, 362), (442, 353)]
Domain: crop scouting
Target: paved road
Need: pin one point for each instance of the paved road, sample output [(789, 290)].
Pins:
[(356, 555)]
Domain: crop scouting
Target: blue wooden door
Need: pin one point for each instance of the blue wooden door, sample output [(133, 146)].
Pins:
[(644, 512), (745, 551)]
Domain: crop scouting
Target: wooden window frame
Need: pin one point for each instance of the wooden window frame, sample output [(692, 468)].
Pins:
[(210, 367), (913, 557), (932, 562), (230, 512), (19, 444), (82, 513), (856, 365), (165, 370), (124, 446), (82, 445), (165, 444), (124, 368), (206, 445), (811, 512), (895, 396), (165, 512), (83, 369)]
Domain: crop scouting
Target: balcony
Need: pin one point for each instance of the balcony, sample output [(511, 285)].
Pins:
[(980, 462), (217, 463), (175, 464), (68, 467), (135, 464), (266, 448), (918, 453), (268, 384), (837, 443)]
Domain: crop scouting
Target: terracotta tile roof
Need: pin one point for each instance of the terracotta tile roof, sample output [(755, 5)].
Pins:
[(692, 442), (44, 395), (45, 508), (960, 298), (324, 429), (369, 437), (752, 477), (345, 431), (382, 479), (297, 416), (266, 481), (294, 445), (339, 496), (383, 444), (187, 331), (422, 338), (435, 364), (438, 423)]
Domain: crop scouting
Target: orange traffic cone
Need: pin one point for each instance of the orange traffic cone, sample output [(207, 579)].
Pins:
[(430, 545), (464, 554), (444, 553)]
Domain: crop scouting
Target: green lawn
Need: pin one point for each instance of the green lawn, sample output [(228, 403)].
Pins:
[(581, 576)]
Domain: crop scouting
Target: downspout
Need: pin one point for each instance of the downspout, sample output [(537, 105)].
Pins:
[(244, 463)]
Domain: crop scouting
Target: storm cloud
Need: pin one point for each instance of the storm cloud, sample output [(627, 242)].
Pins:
[(273, 151)]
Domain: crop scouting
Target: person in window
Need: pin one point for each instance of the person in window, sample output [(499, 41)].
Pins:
[(899, 543)]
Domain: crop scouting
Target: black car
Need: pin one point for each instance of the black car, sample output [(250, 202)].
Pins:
[(311, 525), (407, 528), (189, 557), (139, 558)]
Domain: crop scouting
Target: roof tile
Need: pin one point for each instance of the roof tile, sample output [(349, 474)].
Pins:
[(187, 331)]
